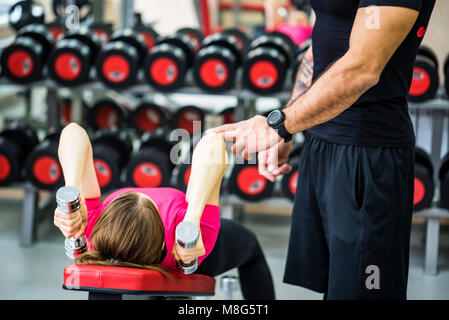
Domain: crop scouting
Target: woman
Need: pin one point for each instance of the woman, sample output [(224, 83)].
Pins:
[(135, 227)]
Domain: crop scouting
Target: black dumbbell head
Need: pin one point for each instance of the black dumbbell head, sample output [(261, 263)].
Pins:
[(106, 114), (56, 29), (16, 143), (186, 116), (423, 181), (148, 34), (425, 81), (150, 117), (181, 41), (446, 74), (241, 37), (248, 184), (182, 176), (23, 13), (42, 166), (131, 37), (275, 41), (40, 33), (264, 70), (194, 35)]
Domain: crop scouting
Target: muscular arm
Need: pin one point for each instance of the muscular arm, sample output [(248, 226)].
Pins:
[(353, 74), (209, 162), (303, 78)]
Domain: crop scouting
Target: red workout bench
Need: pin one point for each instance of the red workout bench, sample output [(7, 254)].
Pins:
[(111, 283)]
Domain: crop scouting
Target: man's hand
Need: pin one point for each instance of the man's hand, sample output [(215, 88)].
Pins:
[(72, 224), (188, 255), (250, 136), (273, 162)]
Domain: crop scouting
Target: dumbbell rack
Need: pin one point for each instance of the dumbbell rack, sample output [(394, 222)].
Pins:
[(232, 205)]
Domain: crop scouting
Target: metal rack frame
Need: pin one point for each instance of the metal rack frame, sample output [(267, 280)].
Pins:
[(232, 205)]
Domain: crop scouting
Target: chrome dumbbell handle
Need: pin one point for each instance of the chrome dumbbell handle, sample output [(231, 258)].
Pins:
[(68, 200), (187, 235)]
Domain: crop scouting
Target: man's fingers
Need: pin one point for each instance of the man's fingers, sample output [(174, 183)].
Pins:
[(285, 168), (222, 128)]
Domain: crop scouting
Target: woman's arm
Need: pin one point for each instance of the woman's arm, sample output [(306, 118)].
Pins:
[(76, 159), (209, 163)]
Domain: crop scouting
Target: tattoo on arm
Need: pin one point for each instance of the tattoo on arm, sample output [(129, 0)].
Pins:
[(303, 79)]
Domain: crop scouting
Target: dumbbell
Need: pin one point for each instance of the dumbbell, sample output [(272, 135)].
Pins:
[(289, 180), (16, 143), (148, 34), (246, 182), (102, 31), (446, 74), (241, 36), (106, 114), (228, 115), (23, 61), (120, 59), (166, 65), (266, 63), (186, 116), (148, 117), (182, 176), (42, 166), (68, 199), (151, 166), (423, 181), (70, 60), (195, 36), (56, 29), (425, 81), (187, 234), (443, 174), (217, 62), (111, 151), (24, 13)]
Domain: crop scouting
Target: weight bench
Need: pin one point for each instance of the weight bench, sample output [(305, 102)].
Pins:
[(111, 283)]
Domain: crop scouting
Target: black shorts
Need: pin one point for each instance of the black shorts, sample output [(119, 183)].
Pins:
[(351, 221)]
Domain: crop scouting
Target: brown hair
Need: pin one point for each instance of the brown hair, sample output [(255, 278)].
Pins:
[(128, 233)]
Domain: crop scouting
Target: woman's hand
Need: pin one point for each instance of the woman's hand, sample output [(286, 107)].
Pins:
[(72, 224), (188, 255)]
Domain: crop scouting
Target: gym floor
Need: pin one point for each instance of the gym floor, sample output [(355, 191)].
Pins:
[(36, 272)]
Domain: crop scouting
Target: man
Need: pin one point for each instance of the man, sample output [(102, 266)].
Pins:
[(351, 218)]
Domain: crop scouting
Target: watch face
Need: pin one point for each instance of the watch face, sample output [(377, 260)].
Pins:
[(274, 117)]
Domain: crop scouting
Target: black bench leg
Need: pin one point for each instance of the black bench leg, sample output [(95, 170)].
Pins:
[(104, 296)]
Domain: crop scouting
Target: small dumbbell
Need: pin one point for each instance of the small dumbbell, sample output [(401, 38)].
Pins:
[(68, 200), (56, 29), (42, 166), (195, 36), (166, 65), (189, 118), (151, 166), (423, 181), (425, 81), (266, 63), (106, 114), (16, 143), (187, 235), (24, 13), (111, 151), (23, 61), (217, 62), (246, 182), (149, 117), (102, 30), (148, 34), (71, 58), (121, 58), (289, 180)]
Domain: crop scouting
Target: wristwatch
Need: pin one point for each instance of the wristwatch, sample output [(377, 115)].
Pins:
[(276, 120)]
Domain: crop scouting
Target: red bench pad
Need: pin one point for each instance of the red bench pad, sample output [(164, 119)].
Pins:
[(120, 279)]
